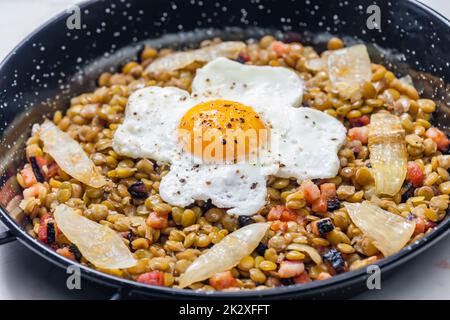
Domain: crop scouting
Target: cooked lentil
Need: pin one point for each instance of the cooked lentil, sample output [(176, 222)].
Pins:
[(132, 194)]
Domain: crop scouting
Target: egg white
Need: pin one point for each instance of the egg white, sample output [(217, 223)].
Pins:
[(307, 140)]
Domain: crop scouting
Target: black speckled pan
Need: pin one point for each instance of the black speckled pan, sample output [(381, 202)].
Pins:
[(55, 63)]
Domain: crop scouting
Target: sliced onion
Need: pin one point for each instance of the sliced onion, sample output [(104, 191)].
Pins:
[(388, 154), (348, 68), (312, 253), (69, 155), (226, 254), (99, 244), (179, 60), (389, 232)]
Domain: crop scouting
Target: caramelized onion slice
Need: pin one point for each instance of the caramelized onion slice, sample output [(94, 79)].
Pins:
[(69, 155), (389, 232), (225, 254), (388, 155), (99, 244), (348, 68), (180, 60)]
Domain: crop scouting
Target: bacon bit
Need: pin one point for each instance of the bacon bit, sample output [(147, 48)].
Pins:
[(48, 230), (279, 225), (223, 280), (33, 192), (329, 189), (429, 225), (302, 278), (320, 205), (311, 191), (359, 133), (289, 269), (52, 170), (439, 137), (335, 260), (138, 190), (360, 121), (154, 278), (322, 226), (323, 276), (280, 48), (157, 221), (414, 174), (65, 252), (28, 176)]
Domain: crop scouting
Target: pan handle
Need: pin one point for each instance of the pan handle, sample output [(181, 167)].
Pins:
[(6, 236)]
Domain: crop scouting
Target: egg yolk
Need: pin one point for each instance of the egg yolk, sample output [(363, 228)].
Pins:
[(222, 131)]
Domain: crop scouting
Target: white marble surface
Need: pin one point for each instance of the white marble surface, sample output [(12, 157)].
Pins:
[(24, 275)]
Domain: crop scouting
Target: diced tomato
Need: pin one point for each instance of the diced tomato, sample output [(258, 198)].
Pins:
[(302, 278), (329, 189), (360, 121), (280, 48), (289, 269), (65, 252), (439, 137), (155, 278), (288, 215), (275, 213), (324, 276), (359, 133), (282, 213), (414, 174), (311, 191), (420, 226), (28, 176), (279, 225), (222, 280), (157, 221), (320, 205)]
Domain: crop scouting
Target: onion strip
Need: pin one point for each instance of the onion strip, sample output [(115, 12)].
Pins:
[(99, 244), (388, 231), (180, 60), (226, 254), (388, 155), (69, 155)]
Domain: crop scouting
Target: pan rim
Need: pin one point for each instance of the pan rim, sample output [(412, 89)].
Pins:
[(343, 279)]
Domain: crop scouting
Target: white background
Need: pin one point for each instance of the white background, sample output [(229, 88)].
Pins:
[(23, 275)]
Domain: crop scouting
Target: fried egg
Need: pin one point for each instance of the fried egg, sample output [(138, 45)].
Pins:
[(291, 141)]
